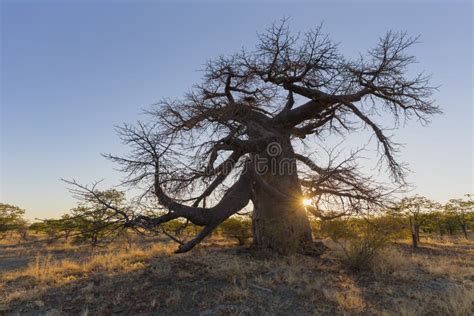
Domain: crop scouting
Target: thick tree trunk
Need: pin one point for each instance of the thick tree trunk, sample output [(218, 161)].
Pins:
[(280, 221), (280, 225)]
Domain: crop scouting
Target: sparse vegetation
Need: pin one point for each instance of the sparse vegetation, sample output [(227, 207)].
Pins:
[(237, 228), (360, 240), (219, 277), (367, 266)]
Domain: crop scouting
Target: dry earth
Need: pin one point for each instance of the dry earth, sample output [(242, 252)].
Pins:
[(219, 278)]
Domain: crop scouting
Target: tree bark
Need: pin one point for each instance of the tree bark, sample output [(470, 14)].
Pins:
[(417, 232), (280, 226), (414, 236), (440, 231), (280, 221), (414, 240), (464, 230)]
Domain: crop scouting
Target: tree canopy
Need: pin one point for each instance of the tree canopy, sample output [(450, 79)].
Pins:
[(11, 218), (248, 133)]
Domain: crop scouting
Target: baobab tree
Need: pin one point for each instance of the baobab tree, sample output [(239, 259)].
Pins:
[(246, 134)]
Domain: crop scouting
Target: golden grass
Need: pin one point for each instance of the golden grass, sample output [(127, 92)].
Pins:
[(45, 270), (218, 275), (436, 262), (391, 261)]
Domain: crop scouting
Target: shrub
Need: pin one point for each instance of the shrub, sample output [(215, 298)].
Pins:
[(360, 239), (181, 228), (237, 228), (361, 251), (95, 223)]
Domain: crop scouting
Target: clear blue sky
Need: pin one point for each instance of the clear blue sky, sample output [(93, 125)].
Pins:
[(73, 69)]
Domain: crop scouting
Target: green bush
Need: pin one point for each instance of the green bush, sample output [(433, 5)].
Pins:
[(181, 228), (237, 228), (11, 219), (361, 251), (360, 239)]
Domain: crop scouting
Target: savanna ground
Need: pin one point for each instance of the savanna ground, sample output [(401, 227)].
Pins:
[(220, 278)]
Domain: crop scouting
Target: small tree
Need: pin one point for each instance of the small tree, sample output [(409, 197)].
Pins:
[(37, 227), (21, 228), (52, 228), (96, 219), (450, 223), (237, 228), (417, 209), (434, 220), (462, 211), (11, 218), (67, 224)]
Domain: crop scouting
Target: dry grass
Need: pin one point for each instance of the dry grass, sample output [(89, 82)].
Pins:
[(393, 262), (44, 271), (222, 279)]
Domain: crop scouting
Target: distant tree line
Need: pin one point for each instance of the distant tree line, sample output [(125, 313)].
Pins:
[(95, 223)]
